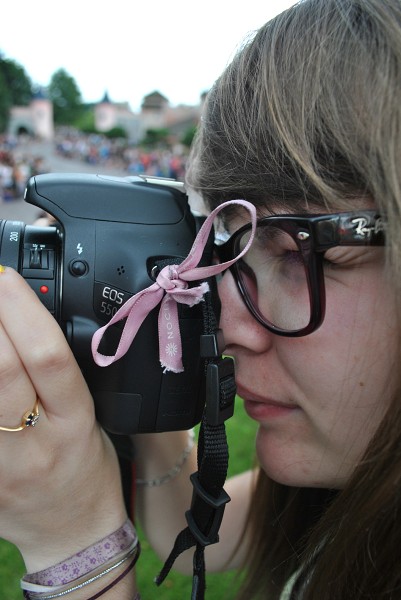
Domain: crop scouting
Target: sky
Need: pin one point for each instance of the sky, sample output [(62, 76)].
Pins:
[(130, 48)]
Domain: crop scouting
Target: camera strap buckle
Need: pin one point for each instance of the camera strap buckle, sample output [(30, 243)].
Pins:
[(207, 507), (205, 504)]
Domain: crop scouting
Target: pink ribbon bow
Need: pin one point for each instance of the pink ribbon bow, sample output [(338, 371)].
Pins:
[(170, 287)]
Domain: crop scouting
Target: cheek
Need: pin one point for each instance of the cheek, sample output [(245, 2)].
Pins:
[(352, 358)]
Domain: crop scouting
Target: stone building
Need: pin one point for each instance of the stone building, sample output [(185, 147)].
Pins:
[(156, 113), (117, 114), (35, 119)]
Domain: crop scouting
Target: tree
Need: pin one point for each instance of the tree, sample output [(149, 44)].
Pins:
[(66, 98), (17, 81), (189, 135), (15, 88), (116, 133), (5, 102), (156, 137)]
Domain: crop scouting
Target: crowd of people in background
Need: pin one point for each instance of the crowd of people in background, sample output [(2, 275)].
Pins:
[(18, 163), (97, 149)]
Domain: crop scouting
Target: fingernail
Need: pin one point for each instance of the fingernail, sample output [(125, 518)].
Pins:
[(2, 269)]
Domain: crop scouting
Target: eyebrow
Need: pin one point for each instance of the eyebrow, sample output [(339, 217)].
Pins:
[(269, 232)]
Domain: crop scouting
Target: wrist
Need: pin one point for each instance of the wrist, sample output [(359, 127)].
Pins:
[(88, 513), (92, 570), (117, 585), (52, 549), (157, 454), (175, 469)]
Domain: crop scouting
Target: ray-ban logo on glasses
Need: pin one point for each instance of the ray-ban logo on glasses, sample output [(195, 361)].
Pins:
[(365, 228)]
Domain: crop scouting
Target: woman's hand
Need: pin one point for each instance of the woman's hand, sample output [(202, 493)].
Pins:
[(60, 483)]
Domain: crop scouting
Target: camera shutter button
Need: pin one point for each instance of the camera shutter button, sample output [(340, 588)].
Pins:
[(78, 268)]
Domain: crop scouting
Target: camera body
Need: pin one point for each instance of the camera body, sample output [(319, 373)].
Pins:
[(110, 238)]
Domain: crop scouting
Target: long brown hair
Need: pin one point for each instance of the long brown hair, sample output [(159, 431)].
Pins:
[(309, 112)]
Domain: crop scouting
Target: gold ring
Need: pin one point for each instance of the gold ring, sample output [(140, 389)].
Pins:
[(30, 418)]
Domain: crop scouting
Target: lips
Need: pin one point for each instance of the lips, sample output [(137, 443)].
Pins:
[(265, 409)]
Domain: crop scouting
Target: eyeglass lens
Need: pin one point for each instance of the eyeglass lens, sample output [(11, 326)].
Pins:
[(273, 278)]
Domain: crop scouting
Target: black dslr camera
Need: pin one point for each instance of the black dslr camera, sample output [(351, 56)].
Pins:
[(111, 237)]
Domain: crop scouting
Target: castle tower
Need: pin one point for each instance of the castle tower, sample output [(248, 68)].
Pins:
[(105, 114), (42, 115)]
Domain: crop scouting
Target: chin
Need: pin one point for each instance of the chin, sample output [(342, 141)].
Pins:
[(295, 464)]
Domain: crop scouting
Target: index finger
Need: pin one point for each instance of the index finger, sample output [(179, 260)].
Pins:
[(41, 346)]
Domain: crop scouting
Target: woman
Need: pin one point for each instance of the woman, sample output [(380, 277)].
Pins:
[(305, 121)]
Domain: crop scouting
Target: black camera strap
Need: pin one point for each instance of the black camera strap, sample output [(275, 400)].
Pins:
[(209, 498)]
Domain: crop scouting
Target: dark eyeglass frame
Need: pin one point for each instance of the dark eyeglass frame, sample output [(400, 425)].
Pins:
[(313, 235)]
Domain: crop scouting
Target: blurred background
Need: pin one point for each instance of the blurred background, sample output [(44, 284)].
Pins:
[(112, 87)]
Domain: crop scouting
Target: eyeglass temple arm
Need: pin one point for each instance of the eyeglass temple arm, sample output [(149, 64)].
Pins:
[(365, 228)]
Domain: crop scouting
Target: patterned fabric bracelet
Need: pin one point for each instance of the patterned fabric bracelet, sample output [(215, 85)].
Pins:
[(87, 560), (42, 592), (30, 596)]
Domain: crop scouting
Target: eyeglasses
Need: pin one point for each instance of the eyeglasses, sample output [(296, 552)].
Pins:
[(281, 277)]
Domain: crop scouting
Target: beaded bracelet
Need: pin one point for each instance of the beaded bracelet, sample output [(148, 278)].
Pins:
[(94, 560), (175, 470)]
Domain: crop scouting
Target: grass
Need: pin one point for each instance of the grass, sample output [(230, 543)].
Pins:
[(240, 433)]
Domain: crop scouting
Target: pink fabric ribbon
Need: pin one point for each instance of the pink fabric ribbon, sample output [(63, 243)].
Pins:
[(170, 287)]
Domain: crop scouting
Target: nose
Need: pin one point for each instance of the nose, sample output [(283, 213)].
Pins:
[(240, 328)]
